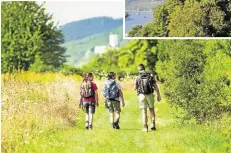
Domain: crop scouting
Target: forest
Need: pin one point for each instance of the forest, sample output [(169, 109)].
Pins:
[(188, 18)]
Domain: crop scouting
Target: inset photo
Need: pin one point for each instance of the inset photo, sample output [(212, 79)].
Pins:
[(173, 18)]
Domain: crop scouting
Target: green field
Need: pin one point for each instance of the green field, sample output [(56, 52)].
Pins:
[(40, 114), (171, 135)]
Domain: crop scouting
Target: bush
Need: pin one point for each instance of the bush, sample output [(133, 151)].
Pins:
[(193, 77)]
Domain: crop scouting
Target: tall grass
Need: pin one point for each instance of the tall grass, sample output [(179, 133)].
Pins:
[(36, 103), (36, 107)]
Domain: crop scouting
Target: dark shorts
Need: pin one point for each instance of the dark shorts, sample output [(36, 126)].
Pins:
[(89, 107), (113, 106)]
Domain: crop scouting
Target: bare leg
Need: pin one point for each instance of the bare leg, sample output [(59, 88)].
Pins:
[(144, 116), (112, 117), (152, 117), (117, 117), (90, 120), (86, 120), (145, 119)]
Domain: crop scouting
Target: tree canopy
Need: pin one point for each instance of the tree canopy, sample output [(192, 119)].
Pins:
[(30, 39), (189, 18), (126, 59)]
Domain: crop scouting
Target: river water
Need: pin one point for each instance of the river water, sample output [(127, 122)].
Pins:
[(136, 17)]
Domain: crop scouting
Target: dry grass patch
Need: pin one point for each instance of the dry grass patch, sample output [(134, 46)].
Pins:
[(36, 103)]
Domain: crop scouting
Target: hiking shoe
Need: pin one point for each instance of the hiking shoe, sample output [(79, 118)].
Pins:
[(145, 129), (90, 127), (153, 128), (113, 125), (117, 126), (86, 125)]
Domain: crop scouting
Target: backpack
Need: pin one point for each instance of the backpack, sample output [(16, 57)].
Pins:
[(145, 83), (111, 91), (86, 89)]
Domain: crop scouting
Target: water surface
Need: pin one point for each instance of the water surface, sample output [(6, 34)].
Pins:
[(135, 18)]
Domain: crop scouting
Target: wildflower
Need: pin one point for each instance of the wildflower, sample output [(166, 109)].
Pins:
[(26, 142)]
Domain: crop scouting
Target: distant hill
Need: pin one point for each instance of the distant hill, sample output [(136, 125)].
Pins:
[(81, 51), (88, 27), (142, 5)]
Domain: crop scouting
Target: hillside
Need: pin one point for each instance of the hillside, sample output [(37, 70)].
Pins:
[(80, 29), (81, 51), (142, 5)]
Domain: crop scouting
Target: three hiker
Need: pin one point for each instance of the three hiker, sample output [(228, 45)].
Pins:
[(113, 99), (89, 98), (145, 86)]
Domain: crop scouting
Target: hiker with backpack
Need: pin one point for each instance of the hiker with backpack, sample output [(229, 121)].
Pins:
[(89, 98), (113, 99), (145, 85)]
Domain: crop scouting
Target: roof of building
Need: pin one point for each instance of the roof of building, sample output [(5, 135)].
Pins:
[(100, 49)]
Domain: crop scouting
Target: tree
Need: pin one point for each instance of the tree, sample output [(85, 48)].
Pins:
[(191, 18), (28, 33), (200, 19), (134, 32), (126, 59), (196, 76)]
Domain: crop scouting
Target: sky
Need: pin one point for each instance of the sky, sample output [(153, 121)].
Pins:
[(68, 11)]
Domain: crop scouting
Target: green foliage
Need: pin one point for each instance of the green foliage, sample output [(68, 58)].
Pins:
[(27, 32), (106, 62), (191, 18), (126, 59), (39, 66), (196, 76), (70, 70), (135, 31), (206, 18)]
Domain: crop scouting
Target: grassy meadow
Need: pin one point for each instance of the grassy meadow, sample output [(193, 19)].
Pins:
[(33, 104), (40, 114)]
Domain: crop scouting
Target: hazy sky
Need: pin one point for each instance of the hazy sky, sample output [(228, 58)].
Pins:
[(67, 11)]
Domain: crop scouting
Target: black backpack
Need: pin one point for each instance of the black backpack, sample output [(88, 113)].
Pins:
[(145, 83)]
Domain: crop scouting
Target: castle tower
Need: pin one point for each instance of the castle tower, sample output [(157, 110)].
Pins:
[(113, 40)]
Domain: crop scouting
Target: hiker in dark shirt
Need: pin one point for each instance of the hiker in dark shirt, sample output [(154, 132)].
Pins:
[(145, 86)]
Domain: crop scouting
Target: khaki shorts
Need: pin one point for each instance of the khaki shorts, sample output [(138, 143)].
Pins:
[(113, 106), (146, 101)]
